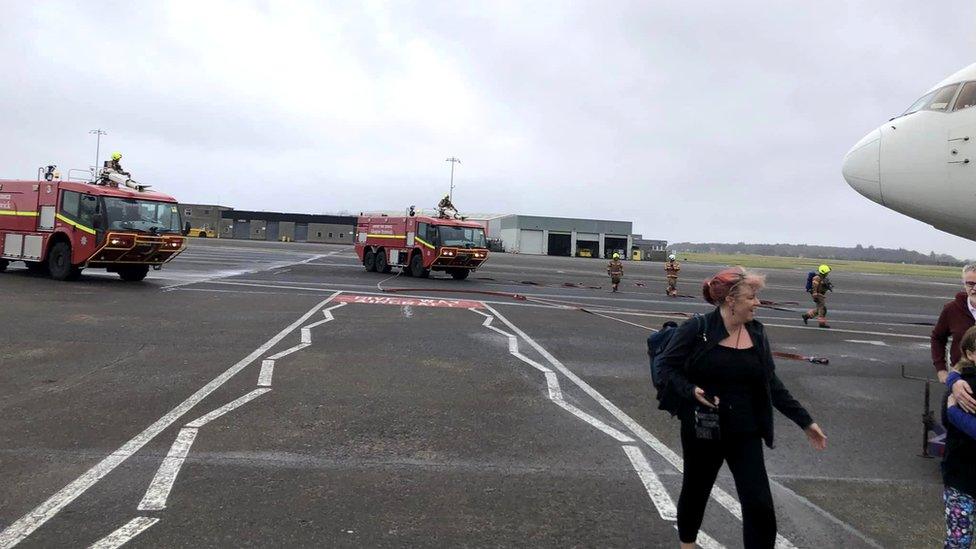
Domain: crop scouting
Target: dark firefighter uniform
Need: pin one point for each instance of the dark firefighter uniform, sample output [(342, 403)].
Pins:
[(820, 286), (616, 271)]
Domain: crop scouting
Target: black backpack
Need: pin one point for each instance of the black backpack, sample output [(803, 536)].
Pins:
[(810, 276), (658, 341)]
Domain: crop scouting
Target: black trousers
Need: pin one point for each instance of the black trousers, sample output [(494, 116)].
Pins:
[(703, 459)]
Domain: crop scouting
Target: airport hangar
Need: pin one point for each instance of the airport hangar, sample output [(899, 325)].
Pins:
[(524, 234)]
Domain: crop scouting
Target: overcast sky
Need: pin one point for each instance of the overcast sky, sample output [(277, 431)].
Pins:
[(724, 122)]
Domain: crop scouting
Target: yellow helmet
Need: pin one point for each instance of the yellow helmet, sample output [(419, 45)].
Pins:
[(616, 255), (116, 156), (824, 269)]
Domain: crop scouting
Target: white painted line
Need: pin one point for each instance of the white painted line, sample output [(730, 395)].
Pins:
[(125, 533), (25, 525), (307, 335), (555, 392), (162, 483), (236, 403), (328, 312), (704, 541), (287, 352), (606, 429), (718, 494), (659, 495), (267, 370), (868, 342)]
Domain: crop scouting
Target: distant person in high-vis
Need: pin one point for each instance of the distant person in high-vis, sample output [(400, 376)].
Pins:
[(671, 269), (616, 271), (818, 290)]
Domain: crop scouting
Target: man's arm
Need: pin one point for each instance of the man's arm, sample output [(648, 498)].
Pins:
[(938, 341)]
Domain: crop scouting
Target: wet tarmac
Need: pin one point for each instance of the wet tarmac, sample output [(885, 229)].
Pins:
[(346, 415)]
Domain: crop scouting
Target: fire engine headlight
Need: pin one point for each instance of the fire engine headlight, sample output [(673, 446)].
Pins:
[(448, 253)]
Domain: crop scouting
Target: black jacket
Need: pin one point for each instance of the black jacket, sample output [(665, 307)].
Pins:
[(958, 470), (689, 345)]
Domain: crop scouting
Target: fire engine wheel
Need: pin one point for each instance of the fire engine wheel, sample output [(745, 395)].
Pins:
[(369, 261), (3, 265), (59, 262), (459, 274), (134, 273), (417, 267), (381, 265)]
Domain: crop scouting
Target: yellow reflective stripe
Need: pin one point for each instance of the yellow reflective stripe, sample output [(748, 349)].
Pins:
[(385, 236), (19, 214), (75, 225), (424, 242)]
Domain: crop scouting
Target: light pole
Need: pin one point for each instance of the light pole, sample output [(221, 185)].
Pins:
[(453, 161), (98, 143)]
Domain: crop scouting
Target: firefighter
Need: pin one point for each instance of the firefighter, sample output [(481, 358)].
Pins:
[(671, 269), (616, 271), (116, 166), (446, 205), (819, 287)]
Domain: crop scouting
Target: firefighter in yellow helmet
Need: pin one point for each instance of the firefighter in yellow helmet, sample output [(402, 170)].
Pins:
[(116, 165), (616, 271), (818, 285), (671, 268)]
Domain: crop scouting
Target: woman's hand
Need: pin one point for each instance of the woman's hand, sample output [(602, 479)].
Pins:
[(817, 437), (700, 397), (964, 396)]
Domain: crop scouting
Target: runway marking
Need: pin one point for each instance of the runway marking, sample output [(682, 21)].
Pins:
[(722, 497), (704, 541), (658, 494), (869, 342), (267, 370), (409, 301), (24, 526), (269, 267), (125, 533), (232, 405), (162, 483), (287, 352)]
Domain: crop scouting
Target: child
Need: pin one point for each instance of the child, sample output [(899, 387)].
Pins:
[(958, 470)]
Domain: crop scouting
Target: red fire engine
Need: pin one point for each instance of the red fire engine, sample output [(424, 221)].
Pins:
[(62, 227), (420, 244)]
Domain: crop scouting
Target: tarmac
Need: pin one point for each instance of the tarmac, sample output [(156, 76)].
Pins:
[(258, 394)]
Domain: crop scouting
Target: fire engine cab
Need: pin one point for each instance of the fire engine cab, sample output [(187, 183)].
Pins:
[(61, 227), (420, 244)]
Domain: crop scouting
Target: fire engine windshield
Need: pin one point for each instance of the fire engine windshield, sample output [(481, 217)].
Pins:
[(461, 237), (128, 214)]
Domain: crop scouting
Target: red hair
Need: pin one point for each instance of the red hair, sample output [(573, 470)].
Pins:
[(730, 281)]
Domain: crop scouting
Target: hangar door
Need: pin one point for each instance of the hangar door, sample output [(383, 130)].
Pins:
[(530, 242), (242, 229)]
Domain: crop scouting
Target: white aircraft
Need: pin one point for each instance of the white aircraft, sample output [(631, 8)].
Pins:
[(923, 162)]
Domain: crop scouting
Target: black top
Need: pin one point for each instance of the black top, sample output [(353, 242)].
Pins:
[(736, 377), (958, 470), (689, 345)]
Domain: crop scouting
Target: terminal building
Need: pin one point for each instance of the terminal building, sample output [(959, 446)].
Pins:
[(560, 236)]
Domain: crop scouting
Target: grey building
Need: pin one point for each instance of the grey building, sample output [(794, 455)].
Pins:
[(202, 216), (251, 225), (529, 234), (651, 250)]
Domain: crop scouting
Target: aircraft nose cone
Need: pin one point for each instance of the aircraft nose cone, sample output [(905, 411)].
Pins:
[(862, 166)]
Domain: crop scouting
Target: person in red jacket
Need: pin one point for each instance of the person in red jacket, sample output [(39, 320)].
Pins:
[(957, 316)]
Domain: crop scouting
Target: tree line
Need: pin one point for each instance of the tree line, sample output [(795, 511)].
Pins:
[(857, 253)]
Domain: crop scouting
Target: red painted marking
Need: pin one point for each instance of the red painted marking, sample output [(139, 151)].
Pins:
[(412, 301)]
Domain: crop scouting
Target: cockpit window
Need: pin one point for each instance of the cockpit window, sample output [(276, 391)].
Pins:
[(942, 98), (919, 103), (967, 97)]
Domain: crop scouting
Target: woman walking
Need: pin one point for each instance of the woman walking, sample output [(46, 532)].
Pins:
[(719, 378)]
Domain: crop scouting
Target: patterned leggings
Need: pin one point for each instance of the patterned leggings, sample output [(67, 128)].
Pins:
[(960, 510)]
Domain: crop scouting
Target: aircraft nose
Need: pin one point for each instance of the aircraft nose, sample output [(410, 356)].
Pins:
[(862, 166)]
